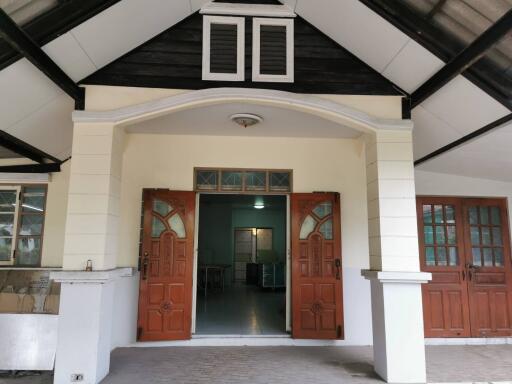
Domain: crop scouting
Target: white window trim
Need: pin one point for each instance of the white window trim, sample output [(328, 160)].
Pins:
[(14, 237), (240, 62), (256, 75)]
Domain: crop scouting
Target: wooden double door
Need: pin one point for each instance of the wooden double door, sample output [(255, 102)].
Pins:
[(167, 261), (465, 244)]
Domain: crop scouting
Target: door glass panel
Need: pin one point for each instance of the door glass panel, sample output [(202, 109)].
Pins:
[(452, 238), (495, 216), (487, 257), (498, 257), (441, 256), (6, 224), (430, 256), (427, 214), (429, 234), (323, 209), (475, 236), (31, 225), (440, 236), (438, 213), (473, 215), (453, 259), (486, 236), (477, 257), (484, 215), (33, 199), (157, 227), (161, 207), (450, 214), (326, 229), (308, 226), (5, 249), (29, 249), (496, 236), (177, 225), (7, 201)]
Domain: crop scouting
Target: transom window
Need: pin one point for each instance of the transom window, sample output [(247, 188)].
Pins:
[(22, 211), (242, 180)]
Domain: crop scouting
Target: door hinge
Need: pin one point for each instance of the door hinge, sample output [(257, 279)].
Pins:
[(339, 332)]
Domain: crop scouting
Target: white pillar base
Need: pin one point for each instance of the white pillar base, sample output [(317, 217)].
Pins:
[(85, 324), (397, 318)]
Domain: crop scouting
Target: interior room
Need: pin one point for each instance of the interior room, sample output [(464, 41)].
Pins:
[(241, 281)]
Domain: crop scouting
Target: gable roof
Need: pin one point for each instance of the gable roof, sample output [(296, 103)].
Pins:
[(173, 59)]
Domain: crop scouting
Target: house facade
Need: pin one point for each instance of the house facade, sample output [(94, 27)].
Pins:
[(244, 99)]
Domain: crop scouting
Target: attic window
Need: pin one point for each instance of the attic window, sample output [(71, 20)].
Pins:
[(273, 50), (223, 48)]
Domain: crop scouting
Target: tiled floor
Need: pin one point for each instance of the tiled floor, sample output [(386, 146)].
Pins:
[(241, 310), (283, 365)]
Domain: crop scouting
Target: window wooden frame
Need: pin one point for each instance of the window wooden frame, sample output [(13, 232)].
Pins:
[(239, 22), (256, 50), (267, 191)]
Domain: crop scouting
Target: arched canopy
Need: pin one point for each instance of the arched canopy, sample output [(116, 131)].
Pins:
[(314, 105)]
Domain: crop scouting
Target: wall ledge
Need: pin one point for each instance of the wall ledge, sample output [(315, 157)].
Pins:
[(94, 277), (404, 277)]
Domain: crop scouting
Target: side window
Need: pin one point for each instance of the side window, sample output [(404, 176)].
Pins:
[(223, 48)]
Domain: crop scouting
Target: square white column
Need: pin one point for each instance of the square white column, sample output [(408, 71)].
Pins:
[(397, 313)]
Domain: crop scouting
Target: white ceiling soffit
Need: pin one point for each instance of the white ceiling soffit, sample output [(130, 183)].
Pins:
[(34, 109), (488, 157)]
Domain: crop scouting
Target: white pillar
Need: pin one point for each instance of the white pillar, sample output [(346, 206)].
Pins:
[(398, 339), (92, 226)]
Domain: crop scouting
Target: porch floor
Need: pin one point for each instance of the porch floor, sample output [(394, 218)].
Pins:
[(240, 365)]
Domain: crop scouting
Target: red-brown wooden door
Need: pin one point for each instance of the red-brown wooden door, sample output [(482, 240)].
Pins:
[(441, 240), (489, 267), (317, 308), (165, 298), (465, 244)]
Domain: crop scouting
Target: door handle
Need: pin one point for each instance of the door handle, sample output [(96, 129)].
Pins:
[(145, 266), (337, 263)]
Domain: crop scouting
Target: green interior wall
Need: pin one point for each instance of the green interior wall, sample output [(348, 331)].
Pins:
[(217, 222)]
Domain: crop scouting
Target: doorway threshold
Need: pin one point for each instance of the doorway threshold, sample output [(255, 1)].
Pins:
[(469, 341), (242, 341)]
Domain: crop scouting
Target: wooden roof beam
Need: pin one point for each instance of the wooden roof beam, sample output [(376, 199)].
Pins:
[(24, 149), (20, 41)]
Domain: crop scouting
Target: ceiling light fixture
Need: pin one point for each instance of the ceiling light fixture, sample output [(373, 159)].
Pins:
[(259, 205), (246, 119)]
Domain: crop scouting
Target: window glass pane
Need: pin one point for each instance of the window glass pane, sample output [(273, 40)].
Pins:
[(498, 257), (5, 249), (452, 237), (441, 256), (440, 236), (488, 257), (29, 249), (256, 181), (7, 201), (427, 214), (280, 181), (496, 236), (161, 207), (484, 215), (438, 213), (231, 181), (206, 180), (157, 227), (453, 256), (429, 234), (450, 214), (326, 229), (308, 226), (473, 215), (495, 216), (323, 209), (6, 224), (33, 199), (477, 257), (177, 225), (475, 236), (31, 225), (430, 256), (486, 236)]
